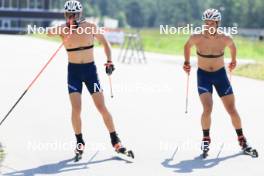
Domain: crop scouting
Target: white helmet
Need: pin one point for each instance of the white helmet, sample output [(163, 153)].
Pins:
[(212, 14), (73, 6)]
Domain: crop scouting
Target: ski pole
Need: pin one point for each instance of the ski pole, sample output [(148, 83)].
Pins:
[(187, 94), (34, 80), (221, 148), (111, 88), (230, 75), (230, 72)]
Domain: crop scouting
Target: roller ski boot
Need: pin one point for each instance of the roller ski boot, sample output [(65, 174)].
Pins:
[(122, 150), (119, 148), (78, 151), (246, 148), (205, 146)]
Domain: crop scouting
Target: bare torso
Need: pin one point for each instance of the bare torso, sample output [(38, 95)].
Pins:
[(213, 45), (79, 40)]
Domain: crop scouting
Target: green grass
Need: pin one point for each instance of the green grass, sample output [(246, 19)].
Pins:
[(173, 44), (250, 49), (255, 71), (167, 44)]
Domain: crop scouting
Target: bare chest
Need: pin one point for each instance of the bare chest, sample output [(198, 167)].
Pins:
[(210, 46), (79, 39)]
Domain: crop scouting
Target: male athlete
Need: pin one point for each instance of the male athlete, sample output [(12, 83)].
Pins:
[(210, 46), (82, 69)]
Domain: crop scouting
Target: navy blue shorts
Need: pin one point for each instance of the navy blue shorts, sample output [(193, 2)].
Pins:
[(206, 80), (83, 73)]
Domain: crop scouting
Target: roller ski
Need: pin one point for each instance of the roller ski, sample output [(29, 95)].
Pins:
[(122, 150), (78, 152), (205, 147), (246, 148), (119, 148)]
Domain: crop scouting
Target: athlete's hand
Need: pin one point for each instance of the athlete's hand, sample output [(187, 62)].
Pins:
[(109, 68), (232, 65), (187, 67)]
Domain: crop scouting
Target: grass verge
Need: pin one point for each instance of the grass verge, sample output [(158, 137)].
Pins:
[(255, 71)]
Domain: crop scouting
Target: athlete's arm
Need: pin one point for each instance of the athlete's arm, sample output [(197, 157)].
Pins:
[(187, 49), (233, 51), (109, 66), (187, 54), (101, 38)]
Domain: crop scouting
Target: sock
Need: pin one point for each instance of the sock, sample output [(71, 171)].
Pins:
[(206, 133), (239, 132), (114, 138), (79, 138)]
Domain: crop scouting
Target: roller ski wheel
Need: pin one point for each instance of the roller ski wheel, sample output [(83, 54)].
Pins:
[(205, 147), (78, 152), (122, 150), (246, 148)]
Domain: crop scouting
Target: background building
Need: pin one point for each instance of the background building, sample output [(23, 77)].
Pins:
[(16, 15)]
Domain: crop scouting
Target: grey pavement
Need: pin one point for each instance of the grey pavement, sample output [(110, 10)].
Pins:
[(148, 109)]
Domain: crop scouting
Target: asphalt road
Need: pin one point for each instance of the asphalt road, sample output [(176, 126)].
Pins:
[(148, 109)]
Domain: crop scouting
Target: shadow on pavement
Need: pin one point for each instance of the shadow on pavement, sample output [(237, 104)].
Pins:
[(62, 166), (198, 162)]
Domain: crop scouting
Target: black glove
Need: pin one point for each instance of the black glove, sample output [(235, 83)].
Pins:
[(109, 68)]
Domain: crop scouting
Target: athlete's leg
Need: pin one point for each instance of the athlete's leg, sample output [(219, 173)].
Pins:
[(229, 103), (207, 102), (93, 84), (76, 121), (76, 112), (225, 91), (98, 99), (75, 90), (205, 90)]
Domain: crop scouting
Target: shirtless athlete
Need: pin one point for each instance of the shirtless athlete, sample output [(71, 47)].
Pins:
[(210, 47), (82, 69)]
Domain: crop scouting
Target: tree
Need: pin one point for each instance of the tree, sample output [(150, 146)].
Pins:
[(152, 13), (134, 14)]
